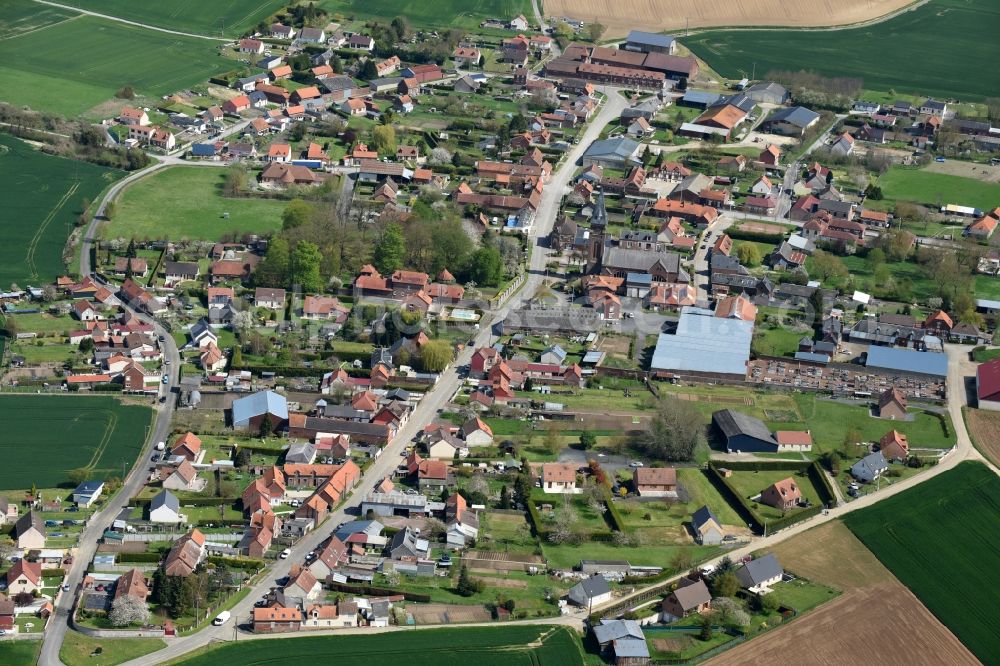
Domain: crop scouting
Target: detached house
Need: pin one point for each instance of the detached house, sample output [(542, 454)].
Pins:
[(655, 481), (24, 576), (689, 598), (559, 478), (783, 495)]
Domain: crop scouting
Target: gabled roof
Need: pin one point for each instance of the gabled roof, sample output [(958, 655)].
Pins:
[(759, 570), (693, 595), (734, 424), (702, 516), (589, 588)]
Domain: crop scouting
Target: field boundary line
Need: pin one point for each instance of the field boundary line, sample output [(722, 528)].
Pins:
[(33, 245), (137, 24), (40, 28)]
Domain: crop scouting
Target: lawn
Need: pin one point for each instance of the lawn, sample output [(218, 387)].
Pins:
[(831, 421), (436, 15), (44, 197), (777, 341), (942, 540), (230, 18), (528, 592), (750, 483), (187, 203), (487, 646), (862, 278), (77, 649), (70, 67), (960, 33), (97, 433), (657, 555), (937, 189), (19, 653)]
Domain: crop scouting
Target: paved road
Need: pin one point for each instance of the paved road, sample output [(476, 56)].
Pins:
[(160, 431), (434, 400), (87, 546), (135, 23)]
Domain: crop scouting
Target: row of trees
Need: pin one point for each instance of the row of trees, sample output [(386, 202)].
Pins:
[(181, 595)]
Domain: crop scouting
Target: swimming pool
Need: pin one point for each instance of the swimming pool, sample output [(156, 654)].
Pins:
[(464, 315)]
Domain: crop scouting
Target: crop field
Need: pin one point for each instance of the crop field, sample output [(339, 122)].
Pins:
[(20, 17), (655, 15), (942, 540), (444, 13), (187, 202), (70, 67), (924, 186), (984, 428), (486, 646), (43, 196), (97, 433), (228, 18), (960, 33), (831, 555)]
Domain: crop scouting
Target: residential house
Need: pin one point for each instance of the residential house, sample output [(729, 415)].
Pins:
[(783, 495), (843, 145), (188, 447), (655, 481), (590, 592), (132, 584), (165, 508), (131, 115), (869, 468), (475, 432), (87, 492), (185, 555), (276, 619), (892, 404), (690, 597), (29, 531), (894, 445), (272, 299), (707, 527), (183, 477), (791, 121), (559, 478), (24, 576), (760, 574)]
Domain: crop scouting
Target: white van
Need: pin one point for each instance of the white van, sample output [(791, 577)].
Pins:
[(221, 618)]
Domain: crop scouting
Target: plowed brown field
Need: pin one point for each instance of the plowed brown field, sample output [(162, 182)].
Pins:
[(620, 16), (984, 426), (851, 628)]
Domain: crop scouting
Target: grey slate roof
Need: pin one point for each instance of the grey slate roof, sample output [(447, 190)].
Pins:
[(609, 148), (702, 516), (167, 499), (631, 648), (759, 570), (27, 521), (794, 115), (613, 630), (587, 589), (869, 466), (733, 424)]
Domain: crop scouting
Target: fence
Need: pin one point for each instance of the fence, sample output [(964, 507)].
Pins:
[(509, 291)]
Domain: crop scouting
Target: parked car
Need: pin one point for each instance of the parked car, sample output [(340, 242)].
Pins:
[(285, 553)]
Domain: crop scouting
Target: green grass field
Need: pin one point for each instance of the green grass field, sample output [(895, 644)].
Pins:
[(20, 653), (72, 66), (487, 646), (77, 649), (942, 540), (933, 189), (446, 13), (43, 195), (937, 49), (98, 433), (187, 202), (21, 16), (228, 18)]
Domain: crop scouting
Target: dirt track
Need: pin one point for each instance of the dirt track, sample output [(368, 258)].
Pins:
[(620, 16)]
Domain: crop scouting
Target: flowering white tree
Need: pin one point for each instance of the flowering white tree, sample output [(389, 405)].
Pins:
[(128, 610)]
